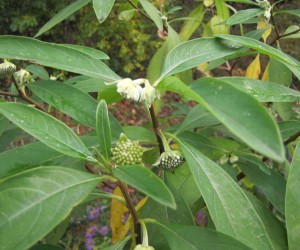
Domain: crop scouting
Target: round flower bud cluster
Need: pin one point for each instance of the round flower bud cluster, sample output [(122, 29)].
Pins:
[(139, 90), (7, 68), (127, 152), (169, 160), (23, 76), (267, 7)]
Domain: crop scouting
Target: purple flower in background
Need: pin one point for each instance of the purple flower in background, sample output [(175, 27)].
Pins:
[(201, 218), (94, 213), (90, 232), (103, 231), (89, 244)]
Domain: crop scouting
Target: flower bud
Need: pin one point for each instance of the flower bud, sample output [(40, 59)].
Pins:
[(169, 160), (7, 68)]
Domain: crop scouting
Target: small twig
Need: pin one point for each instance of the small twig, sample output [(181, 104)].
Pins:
[(25, 97), (8, 94), (155, 125), (284, 35), (292, 138), (132, 210), (275, 25), (139, 10)]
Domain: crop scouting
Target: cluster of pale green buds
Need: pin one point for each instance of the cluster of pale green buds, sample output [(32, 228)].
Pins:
[(7, 68), (265, 5), (127, 152), (139, 90), (23, 76), (231, 158)]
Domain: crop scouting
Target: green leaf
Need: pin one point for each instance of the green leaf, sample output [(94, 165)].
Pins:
[(47, 129), (263, 48), (292, 12), (244, 15), (190, 26), (35, 201), (153, 13), (62, 15), (289, 128), (227, 203), (67, 99), (89, 51), (279, 73), (188, 237), (222, 9), (4, 122), (243, 1), (102, 9), (273, 226), (103, 129), (263, 91), (272, 184), (192, 53), (119, 245), (54, 55), (198, 117), (137, 133), (147, 182), (91, 85), (38, 71), (242, 115), (292, 202)]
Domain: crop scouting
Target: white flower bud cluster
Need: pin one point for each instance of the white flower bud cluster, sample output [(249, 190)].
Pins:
[(23, 76), (267, 7), (7, 68), (139, 90)]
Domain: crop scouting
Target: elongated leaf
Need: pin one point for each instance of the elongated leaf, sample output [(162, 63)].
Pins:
[(103, 129), (243, 1), (292, 202), (62, 15), (292, 12), (244, 15), (272, 185), (152, 13), (38, 71), (242, 115), (192, 53), (35, 154), (147, 182), (253, 70), (91, 85), (279, 73), (289, 128), (263, 48), (190, 26), (67, 99), (4, 122), (187, 237), (227, 203), (47, 129), (264, 91), (102, 8), (197, 117), (222, 9), (54, 55), (34, 201), (89, 51)]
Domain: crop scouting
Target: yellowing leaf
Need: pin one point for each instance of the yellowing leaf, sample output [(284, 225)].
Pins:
[(264, 25), (253, 70), (217, 25), (265, 76), (117, 213)]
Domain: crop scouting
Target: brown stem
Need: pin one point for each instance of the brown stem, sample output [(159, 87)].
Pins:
[(132, 210), (8, 94), (25, 97), (155, 125), (292, 138), (139, 10), (275, 26), (284, 35)]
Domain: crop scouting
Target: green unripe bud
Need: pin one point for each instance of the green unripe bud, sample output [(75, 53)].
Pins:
[(127, 152), (169, 160)]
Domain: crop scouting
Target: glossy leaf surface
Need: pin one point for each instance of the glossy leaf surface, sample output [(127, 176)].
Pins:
[(54, 55), (102, 9), (35, 201), (103, 129), (292, 202), (47, 129), (62, 15), (147, 182), (243, 16), (229, 205), (187, 237)]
